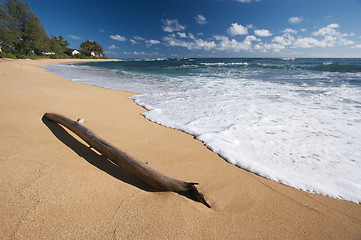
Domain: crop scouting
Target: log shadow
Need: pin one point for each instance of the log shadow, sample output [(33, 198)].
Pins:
[(94, 158)]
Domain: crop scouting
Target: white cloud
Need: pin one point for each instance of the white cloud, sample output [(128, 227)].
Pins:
[(263, 33), (328, 30), (141, 53), (174, 42), (101, 30), (345, 42), (74, 37), (113, 47), (200, 43), (290, 30), (234, 45), (237, 29), (151, 42), (247, 1), (306, 42), (328, 36), (133, 41), (285, 40), (182, 34), (138, 38), (172, 26), (190, 45), (295, 20), (200, 19), (134, 53), (328, 41), (118, 38), (332, 37), (275, 47)]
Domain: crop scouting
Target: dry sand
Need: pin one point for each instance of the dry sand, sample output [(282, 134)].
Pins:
[(53, 187)]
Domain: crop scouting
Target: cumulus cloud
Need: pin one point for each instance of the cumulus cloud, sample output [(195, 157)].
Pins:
[(328, 41), (134, 53), (182, 34), (295, 20), (285, 40), (200, 19), (237, 29), (118, 38), (189, 44), (324, 37), (152, 42), (234, 45), (290, 30), (263, 33), (133, 41), (328, 30), (74, 37), (113, 47), (172, 25), (207, 45), (328, 36), (138, 38), (247, 1), (275, 47), (306, 42), (332, 37)]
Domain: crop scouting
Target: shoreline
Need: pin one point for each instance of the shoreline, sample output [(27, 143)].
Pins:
[(61, 189)]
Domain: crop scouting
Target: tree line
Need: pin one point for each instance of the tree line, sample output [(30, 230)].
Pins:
[(22, 34)]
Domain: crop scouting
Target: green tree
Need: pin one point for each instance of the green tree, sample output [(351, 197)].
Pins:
[(11, 22), (33, 36), (57, 44), (20, 29), (89, 45)]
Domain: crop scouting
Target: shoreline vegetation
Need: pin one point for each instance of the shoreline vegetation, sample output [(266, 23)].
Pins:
[(23, 36)]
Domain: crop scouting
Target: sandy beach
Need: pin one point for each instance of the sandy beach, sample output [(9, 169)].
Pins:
[(52, 186)]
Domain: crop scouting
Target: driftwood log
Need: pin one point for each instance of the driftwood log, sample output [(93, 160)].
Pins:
[(133, 166)]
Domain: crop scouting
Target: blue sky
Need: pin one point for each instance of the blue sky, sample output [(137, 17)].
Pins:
[(207, 28)]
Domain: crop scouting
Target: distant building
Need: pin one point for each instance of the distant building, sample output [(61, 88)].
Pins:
[(48, 53), (91, 53), (71, 52)]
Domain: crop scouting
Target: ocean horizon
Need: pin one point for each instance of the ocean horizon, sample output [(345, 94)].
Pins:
[(296, 121)]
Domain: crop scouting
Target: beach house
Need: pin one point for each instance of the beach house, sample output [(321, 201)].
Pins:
[(91, 53), (71, 52)]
